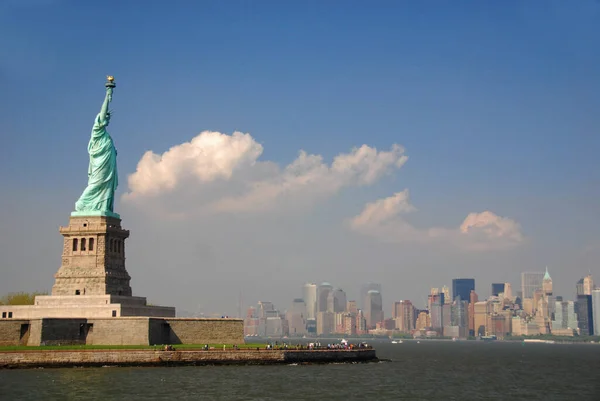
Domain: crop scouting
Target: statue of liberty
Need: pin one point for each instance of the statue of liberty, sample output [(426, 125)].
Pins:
[(98, 197)]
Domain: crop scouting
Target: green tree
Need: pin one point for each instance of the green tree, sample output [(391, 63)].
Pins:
[(20, 298)]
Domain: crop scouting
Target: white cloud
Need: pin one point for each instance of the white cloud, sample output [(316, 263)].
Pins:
[(479, 231), (222, 173)]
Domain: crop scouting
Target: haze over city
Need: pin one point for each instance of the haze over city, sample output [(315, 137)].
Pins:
[(267, 145)]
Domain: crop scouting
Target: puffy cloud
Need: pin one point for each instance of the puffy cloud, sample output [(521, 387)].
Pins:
[(222, 173), (479, 231)]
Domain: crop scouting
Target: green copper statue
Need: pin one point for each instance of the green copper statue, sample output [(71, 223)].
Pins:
[(99, 195)]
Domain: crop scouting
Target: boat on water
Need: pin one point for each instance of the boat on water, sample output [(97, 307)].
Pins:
[(397, 342), (536, 340)]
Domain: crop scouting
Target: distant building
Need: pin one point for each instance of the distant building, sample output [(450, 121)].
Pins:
[(564, 316), (404, 316), (547, 284), (473, 299), (322, 296), (296, 317), (596, 311), (310, 299), (585, 317), (462, 287), (435, 303), (508, 291), (497, 289), (446, 292), (351, 307), (374, 308), (336, 301), (364, 291), (531, 282), (585, 286)]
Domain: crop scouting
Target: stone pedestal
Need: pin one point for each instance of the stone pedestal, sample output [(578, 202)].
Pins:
[(93, 258), (92, 281)]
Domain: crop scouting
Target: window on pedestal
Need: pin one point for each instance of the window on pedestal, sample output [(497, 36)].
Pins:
[(74, 244), (77, 292), (111, 245), (114, 313), (91, 244), (83, 244), (10, 315), (118, 246), (3, 315)]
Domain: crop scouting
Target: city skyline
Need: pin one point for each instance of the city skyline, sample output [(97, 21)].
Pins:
[(541, 312), (259, 148)]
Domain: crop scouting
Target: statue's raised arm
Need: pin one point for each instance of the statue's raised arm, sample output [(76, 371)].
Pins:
[(104, 115), (98, 196)]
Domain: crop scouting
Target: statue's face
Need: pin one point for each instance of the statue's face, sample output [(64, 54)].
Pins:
[(107, 118)]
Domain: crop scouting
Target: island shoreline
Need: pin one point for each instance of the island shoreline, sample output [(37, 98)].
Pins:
[(153, 358)]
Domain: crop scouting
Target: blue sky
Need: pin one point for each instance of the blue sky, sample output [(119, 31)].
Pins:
[(496, 104)]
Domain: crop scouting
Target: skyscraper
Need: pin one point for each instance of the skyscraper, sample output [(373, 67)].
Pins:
[(564, 316), (547, 284), (296, 317), (322, 295), (336, 301), (462, 287), (374, 308), (497, 288), (596, 310), (310, 300), (585, 286), (531, 282), (404, 315), (446, 292), (508, 291), (585, 319), (364, 290)]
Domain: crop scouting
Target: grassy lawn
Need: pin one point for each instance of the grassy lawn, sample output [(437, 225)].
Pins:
[(178, 347)]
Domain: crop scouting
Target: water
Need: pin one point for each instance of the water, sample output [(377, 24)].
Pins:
[(430, 370)]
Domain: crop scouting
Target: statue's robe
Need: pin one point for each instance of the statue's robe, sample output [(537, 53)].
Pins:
[(103, 179)]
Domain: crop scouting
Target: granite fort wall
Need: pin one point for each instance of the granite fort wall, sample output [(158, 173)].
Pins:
[(205, 331), (120, 331), (32, 359), (10, 332)]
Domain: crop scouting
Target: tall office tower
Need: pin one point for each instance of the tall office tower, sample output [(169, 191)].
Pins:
[(310, 299), (336, 301), (462, 287), (423, 321), (459, 315), (404, 316), (446, 292), (564, 316), (473, 298), (530, 282), (497, 289), (508, 291), (434, 291), (585, 286), (364, 290), (435, 304), (585, 319), (296, 317), (547, 284), (588, 284), (351, 307), (322, 295), (265, 308), (596, 310), (579, 287), (374, 309)]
